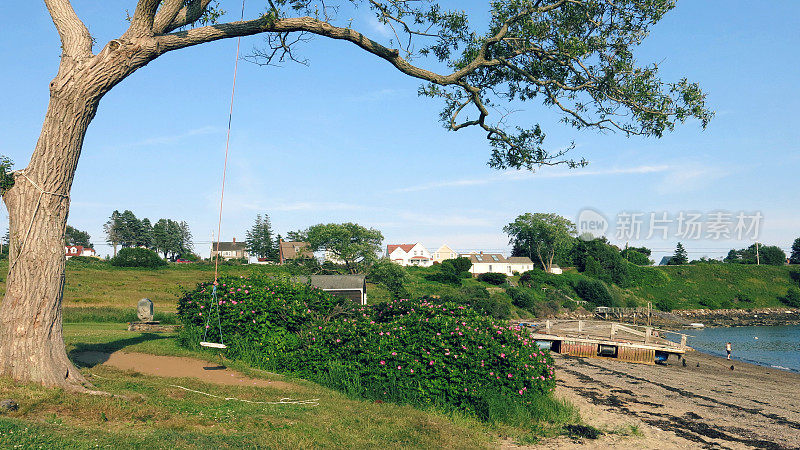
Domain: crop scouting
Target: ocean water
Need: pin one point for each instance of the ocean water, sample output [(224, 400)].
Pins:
[(777, 346)]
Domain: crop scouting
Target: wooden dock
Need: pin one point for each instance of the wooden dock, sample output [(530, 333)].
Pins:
[(599, 339)]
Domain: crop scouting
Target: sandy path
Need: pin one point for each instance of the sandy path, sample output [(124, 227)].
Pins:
[(177, 367), (708, 406)]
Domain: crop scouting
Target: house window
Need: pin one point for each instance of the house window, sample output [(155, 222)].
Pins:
[(490, 267)]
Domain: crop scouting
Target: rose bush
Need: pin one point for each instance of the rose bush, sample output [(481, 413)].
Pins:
[(415, 351)]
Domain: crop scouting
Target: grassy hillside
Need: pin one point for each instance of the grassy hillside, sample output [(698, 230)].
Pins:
[(146, 412), (717, 286), (93, 291)]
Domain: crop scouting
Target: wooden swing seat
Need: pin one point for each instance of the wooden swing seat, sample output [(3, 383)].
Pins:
[(213, 344)]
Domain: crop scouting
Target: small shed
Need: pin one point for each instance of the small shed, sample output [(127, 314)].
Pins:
[(353, 287)]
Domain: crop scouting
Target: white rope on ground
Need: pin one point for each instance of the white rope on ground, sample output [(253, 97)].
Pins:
[(283, 401), (42, 192)]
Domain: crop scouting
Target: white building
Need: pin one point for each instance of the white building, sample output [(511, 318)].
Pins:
[(409, 255), (488, 263), (520, 264), (79, 250), (443, 253)]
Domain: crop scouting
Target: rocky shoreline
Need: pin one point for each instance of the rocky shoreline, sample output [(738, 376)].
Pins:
[(741, 317), (708, 317)]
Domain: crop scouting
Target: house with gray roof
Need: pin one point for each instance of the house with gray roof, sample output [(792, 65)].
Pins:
[(229, 250)]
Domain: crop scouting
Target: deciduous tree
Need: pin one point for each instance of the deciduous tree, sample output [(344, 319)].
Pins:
[(575, 56), (541, 236), (795, 256), (354, 245), (74, 236)]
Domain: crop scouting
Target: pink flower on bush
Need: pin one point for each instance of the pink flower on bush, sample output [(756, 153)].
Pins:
[(383, 363), (430, 363)]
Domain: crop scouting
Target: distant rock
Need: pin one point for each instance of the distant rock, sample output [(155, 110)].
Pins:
[(8, 405)]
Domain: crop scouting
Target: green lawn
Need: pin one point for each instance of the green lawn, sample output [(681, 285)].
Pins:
[(147, 413), (719, 285)]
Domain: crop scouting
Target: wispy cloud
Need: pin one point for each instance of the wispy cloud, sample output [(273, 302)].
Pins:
[(171, 139), (374, 96), (379, 28), (690, 177), (520, 175)]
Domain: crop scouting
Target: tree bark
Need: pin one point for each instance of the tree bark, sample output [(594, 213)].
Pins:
[(31, 343)]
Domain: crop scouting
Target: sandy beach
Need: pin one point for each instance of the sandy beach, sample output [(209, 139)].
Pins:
[(703, 404)]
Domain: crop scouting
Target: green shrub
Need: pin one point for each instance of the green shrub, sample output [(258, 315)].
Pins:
[(493, 278), (593, 291), (792, 298), (646, 276), (666, 304), (445, 277), (410, 351), (390, 275), (458, 265), (479, 299), (85, 260), (137, 257), (795, 276), (521, 297)]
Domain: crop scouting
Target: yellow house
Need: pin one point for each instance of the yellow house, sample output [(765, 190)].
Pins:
[(443, 253)]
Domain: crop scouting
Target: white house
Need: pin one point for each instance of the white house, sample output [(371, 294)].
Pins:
[(443, 253), (78, 250), (555, 270), (520, 264), (488, 263), (409, 255)]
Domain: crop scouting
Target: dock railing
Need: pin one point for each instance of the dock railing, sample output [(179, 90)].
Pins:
[(595, 328)]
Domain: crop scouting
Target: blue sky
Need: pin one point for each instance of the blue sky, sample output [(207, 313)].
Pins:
[(347, 139)]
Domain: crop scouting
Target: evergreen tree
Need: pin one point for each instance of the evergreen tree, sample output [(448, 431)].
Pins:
[(130, 229), (680, 256), (113, 230), (795, 257), (186, 245), (259, 240), (145, 237)]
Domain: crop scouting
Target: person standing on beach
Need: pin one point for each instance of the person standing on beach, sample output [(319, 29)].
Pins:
[(728, 349)]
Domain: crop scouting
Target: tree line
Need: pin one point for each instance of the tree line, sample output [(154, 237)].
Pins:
[(354, 246), (169, 237)]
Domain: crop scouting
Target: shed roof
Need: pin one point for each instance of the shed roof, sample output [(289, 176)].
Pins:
[(334, 282), (520, 260)]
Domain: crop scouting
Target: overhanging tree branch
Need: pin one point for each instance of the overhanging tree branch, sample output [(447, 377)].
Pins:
[(143, 16), (76, 41), (166, 15)]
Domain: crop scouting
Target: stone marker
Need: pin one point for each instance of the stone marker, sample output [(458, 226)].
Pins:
[(145, 310), (8, 405)]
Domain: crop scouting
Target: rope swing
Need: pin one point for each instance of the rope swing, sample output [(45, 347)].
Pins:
[(205, 342)]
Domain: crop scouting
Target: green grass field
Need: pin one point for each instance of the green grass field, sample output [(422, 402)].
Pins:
[(719, 286), (146, 412)]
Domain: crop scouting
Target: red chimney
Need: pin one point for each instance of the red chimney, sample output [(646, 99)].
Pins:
[(234, 239)]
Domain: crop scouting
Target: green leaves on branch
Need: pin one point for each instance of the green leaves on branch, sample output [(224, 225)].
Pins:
[(6, 175)]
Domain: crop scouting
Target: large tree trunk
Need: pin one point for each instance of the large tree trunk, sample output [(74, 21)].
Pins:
[(31, 343)]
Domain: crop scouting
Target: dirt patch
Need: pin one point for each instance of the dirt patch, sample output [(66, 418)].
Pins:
[(177, 367)]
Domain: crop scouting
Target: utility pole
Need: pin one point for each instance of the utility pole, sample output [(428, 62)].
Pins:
[(758, 258)]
